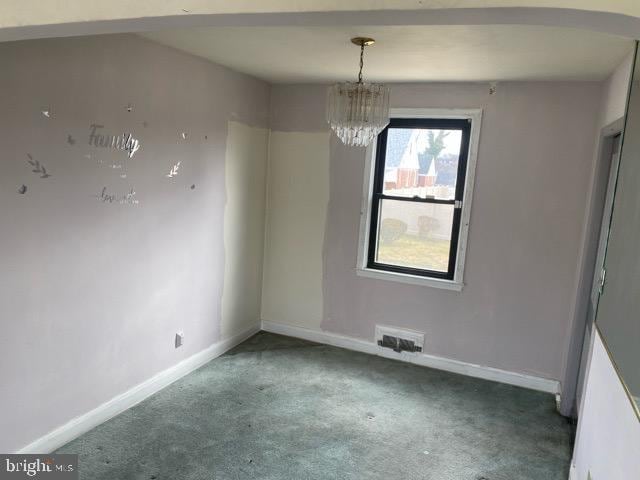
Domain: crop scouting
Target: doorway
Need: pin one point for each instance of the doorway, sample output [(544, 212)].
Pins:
[(609, 164)]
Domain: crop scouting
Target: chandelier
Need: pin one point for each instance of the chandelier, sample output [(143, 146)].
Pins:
[(357, 111)]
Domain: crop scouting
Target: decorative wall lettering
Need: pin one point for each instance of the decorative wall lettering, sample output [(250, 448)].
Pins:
[(174, 170), (124, 142), (128, 198), (101, 137), (37, 167)]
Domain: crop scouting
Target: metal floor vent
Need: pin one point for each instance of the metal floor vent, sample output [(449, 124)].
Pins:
[(399, 340)]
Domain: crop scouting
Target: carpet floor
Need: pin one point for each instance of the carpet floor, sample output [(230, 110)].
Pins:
[(278, 408)]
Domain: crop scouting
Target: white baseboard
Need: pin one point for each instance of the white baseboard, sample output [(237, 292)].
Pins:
[(82, 424), (432, 361)]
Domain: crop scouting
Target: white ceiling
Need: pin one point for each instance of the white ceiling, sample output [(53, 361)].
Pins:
[(406, 53), (21, 13)]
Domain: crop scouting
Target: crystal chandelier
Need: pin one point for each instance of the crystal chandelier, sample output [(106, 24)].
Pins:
[(357, 111)]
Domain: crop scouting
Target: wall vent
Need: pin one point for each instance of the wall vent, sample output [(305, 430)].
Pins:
[(399, 340)]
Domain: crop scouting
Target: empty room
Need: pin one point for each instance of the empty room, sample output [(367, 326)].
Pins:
[(320, 240)]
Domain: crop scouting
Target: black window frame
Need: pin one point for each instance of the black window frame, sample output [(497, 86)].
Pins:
[(378, 195)]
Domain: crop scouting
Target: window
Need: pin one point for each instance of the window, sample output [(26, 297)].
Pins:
[(416, 218)]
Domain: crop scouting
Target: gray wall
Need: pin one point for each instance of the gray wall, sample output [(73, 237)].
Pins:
[(612, 107), (617, 317), (532, 184), (92, 293)]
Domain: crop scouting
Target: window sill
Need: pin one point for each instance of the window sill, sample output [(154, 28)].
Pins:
[(410, 279)]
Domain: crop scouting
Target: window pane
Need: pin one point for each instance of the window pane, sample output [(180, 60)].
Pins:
[(422, 162), (414, 234)]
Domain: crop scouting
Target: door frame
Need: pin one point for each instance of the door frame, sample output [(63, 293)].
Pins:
[(582, 329), (598, 267)]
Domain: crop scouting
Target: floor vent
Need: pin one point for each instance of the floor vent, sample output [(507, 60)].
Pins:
[(399, 340)]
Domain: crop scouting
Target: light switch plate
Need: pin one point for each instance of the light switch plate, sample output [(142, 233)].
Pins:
[(179, 339)]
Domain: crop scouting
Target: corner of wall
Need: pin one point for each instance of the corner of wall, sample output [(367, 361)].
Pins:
[(613, 98)]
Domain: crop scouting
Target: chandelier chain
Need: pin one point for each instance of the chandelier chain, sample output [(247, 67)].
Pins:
[(361, 62), (356, 111)]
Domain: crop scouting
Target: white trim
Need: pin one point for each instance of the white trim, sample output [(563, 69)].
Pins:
[(607, 209), (82, 424), (425, 360), (410, 279), (318, 336), (457, 284)]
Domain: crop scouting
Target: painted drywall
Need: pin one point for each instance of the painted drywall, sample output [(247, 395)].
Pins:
[(92, 293), (527, 214), (298, 194), (610, 120), (608, 436), (245, 180), (615, 89)]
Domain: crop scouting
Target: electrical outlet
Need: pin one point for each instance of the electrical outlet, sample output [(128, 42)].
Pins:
[(179, 339)]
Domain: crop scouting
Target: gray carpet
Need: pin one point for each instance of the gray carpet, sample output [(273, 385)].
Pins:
[(280, 408)]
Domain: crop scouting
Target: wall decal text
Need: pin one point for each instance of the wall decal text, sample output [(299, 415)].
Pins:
[(124, 142), (128, 198)]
